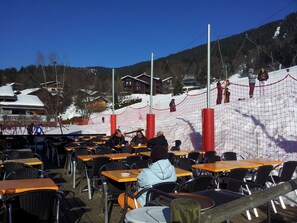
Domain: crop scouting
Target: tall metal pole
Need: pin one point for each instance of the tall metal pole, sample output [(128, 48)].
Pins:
[(112, 91), (208, 66), (152, 74)]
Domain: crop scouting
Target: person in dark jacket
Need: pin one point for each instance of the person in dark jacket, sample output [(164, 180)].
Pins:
[(220, 93), (262, 77), (30, 129), (158, 140), (116, 139), (227, 92), (172, 105), (139, 138)]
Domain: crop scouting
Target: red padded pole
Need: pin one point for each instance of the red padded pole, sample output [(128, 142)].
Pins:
[(150, 126), (207, 129), (113, 123)]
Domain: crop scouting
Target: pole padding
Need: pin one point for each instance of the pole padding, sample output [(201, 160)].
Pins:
[(113, 123), (207, 129), (150, 126)]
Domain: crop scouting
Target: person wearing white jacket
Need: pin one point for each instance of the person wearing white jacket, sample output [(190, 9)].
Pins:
[(159, 171)]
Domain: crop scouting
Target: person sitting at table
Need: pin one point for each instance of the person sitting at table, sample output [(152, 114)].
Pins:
[(158, 140), (117, 139), (159, 171), (139, 138)]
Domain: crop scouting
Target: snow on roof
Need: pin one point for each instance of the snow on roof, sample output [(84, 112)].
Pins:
[(29, 91), (168, 78), (24, 100), (127, 76), (135, 78), (145, 74), (87, 91), (6, 91)]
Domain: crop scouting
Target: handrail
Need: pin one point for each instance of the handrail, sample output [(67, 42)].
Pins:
[(226, 211)]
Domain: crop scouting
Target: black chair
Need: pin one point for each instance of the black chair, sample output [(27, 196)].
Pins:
[(185, 164), (211, 157), (104, 150), (77, 164), (235, 174), (261, 178), (230, 156), (195, 157), (9, 167), (126, 149), (111, 188), (285, 174), (24, 173), (140, 164), (151, 195), (176, 146), (197, 184), (93, 174), (17, 154), (130, 160), (34, 206), (58, 150), (172, 158)]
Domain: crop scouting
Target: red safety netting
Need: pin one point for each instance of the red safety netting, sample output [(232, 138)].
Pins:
[(264, 125)]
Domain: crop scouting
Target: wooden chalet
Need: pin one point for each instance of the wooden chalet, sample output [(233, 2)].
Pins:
[(54, 87), (141, 84), (167, 84), (93, 99)]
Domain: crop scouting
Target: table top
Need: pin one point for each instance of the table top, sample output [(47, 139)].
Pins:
[(205, 202), (213, 167), (240, 164), (116, 174), (264, 162), (142, 146), (27, 161), (18, 186), (113, 156), (99, 142), (176, 153)]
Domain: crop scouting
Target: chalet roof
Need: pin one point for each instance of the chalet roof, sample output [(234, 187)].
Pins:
[(166, 79), (142, 81), (6, 91), (29, 90), (87, 91), (145, 74), (49, 82), (24, 101), (127, 77)]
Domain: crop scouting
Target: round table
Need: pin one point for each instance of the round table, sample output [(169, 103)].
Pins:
[(205, 202), (149, 214)]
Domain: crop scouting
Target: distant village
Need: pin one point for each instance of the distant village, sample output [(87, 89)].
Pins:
[(20, 107)]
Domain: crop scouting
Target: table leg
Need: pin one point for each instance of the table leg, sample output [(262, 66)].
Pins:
[(128, 188)]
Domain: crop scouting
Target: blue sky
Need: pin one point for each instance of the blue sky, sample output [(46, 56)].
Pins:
[(116, 33)]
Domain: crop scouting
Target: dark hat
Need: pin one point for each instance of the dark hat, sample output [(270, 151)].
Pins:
[(158, 153)]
